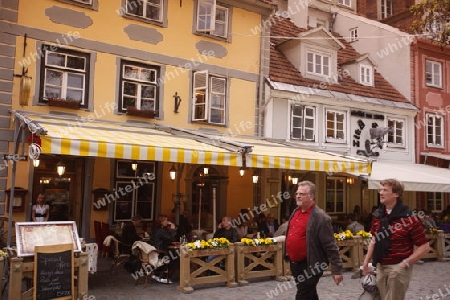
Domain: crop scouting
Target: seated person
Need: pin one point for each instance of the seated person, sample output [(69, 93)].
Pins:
[(354, 225), (225, 230), (129, 234), (163, 234), (268, 226), (184, 226), (283, 227)]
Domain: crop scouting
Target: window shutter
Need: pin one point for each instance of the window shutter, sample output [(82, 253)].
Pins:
[(206, 12), (199, 111)]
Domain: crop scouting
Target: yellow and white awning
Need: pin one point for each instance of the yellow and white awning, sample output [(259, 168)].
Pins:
[(267, 154), (123, 141)]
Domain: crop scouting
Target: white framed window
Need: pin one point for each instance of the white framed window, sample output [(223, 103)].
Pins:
[(353, 34), (433, 73), (65, 75), (335, 194), (396, 134), (212, 19), (386, 8), (303, 122), (435, 130), (146, 9), (335, 126), (366, 75), (209, 98), (139, 197), (90, 4), (318, 64), (346, 2), (434, 201), (138, 86)]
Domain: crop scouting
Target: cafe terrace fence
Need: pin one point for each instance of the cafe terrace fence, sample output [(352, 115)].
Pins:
[(20, 269), (239, 262)]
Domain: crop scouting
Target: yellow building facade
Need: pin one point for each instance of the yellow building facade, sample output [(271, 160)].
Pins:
[(181, 66)]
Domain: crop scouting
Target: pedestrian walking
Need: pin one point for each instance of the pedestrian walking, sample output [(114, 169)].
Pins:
[(310, 244), (395, 234)]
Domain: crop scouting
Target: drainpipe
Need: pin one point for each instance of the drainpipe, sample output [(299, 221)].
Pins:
[(264, 65)]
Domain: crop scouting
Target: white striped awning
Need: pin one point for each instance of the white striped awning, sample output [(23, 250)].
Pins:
[(124, 141), (267, 154)]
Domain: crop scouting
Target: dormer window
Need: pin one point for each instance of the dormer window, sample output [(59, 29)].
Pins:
[(318, 64), (366, 75)]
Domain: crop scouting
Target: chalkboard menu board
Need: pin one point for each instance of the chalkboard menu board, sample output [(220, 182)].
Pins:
[(53, 272)]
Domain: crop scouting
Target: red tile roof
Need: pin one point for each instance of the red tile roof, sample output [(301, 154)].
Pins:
[(282, 70)]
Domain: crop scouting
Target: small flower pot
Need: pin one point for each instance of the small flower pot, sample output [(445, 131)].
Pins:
[(64, 103), (145, 113)]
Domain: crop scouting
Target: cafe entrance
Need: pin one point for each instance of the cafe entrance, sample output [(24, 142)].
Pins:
[(62, 192)]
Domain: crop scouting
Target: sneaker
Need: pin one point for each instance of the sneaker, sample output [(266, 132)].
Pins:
[(156, 278), (165, 280)]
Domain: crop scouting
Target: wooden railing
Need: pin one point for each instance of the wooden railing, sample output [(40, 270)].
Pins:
[(206, 266), (258, 261), (20, 269), (447, 244)]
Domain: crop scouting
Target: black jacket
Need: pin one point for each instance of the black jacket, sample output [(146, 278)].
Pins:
[(161, 238)]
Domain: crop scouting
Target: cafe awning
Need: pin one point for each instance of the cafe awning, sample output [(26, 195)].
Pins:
[(135, 141), (268, 154), (415, 177)]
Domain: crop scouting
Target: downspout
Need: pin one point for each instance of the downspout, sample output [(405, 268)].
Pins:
[(265, 64)]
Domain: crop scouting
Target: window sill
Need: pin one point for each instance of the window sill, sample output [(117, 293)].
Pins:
[(93, 6), (144, 113), (144, 20), (214, 37)]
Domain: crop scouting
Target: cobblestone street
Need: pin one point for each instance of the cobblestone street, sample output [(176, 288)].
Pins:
[(430, 278)]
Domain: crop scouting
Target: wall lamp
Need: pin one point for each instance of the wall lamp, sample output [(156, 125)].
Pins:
[(242, 171), (205, 170), (350, 180), (134, 165), (173, 172), (294, 180), (60, 168), (36, 162)]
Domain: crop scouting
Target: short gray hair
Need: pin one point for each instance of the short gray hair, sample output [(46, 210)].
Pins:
[(312, 186)]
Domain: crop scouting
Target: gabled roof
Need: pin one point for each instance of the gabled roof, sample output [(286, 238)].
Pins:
[(283, 71)]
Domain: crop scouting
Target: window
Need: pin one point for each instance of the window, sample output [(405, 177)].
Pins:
[(138, 87), (335, 126), (209, 103), (335, 195), (302, 120), (212, 19), (134, 196), (353, 34), (434, 201), (64, 75), (433, 74), (147, 9), (346, 2), (396, 134), (318, 64), (386, 8), (91, 4), (435, 130), (366, 75)]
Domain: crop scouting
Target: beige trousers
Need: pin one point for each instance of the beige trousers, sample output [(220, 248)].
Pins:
[(393, 281)]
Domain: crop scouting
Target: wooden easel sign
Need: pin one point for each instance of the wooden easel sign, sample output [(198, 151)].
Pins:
[(53, 272)]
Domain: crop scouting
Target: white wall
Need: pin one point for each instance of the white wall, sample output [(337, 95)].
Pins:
[(388, 48)]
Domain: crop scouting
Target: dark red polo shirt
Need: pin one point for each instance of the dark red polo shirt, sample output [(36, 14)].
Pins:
[(296, 238), (405, 234)]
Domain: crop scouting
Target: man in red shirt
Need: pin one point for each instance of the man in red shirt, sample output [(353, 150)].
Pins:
[(310, 244), (395, 231)]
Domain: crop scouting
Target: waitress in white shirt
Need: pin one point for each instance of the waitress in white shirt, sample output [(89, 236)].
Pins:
[(40, 210)]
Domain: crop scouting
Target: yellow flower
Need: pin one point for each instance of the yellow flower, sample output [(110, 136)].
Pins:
[(257, 242), (215, 243), (3, 255)]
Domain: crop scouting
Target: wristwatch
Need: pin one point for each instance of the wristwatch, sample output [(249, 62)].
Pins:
[(406, 263)]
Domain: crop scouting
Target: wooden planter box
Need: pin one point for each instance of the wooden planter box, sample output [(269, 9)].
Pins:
[(258, 261), (64, 103), (350, 252), (195, 268), (145, 113)]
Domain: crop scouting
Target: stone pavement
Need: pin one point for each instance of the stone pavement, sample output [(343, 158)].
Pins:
[(430, 278)]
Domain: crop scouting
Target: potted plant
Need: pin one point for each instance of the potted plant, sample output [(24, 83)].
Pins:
[(145, 113), (66, 103)]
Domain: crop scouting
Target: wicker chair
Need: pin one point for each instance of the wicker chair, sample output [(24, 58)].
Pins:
[(119, 258), (148, 268)]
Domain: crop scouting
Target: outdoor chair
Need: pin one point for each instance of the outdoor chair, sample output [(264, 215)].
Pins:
[(119, 258), (151, 262)]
